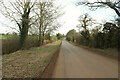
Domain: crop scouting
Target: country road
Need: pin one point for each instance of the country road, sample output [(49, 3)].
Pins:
[(76, 62)]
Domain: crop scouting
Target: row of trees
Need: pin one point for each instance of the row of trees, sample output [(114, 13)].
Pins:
[(105, 38), (105, 35), (114, 5), (59, 36), (32, 16), (71, 35)]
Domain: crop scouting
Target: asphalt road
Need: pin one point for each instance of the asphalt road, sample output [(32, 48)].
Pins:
[(76, 62)]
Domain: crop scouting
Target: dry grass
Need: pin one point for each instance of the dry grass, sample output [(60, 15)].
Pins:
[(28, 63), (11, 45), (111, 52)]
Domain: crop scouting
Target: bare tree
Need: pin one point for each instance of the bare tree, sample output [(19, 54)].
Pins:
[(47, 14), (19, 12), (113, 4), (52, 28), (85, 20)]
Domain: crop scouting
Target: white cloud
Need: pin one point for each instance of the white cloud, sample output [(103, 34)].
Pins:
[(70, 17), (73, 12)]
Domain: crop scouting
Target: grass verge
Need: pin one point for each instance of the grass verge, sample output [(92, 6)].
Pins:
[(113, 53), (48, 72), (28, 63)]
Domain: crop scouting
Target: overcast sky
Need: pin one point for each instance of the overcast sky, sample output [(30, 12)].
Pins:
[(70, 19)]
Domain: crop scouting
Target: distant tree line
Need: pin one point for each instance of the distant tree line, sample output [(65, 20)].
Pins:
[(71, 35), (59, 36), (107, 38), (101, 36), (110, 35)]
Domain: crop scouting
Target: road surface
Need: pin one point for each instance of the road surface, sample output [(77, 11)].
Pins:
[(76, 62)]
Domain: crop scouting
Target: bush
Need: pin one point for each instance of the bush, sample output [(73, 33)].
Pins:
[(53, 38), (85, 38), (68, 39), (11, 45), (31, 41)]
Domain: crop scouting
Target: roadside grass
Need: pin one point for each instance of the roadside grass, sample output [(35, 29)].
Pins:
[(28, 63), (111, 52)]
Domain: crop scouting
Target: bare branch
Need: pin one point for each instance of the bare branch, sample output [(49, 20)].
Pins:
[(99, 3)]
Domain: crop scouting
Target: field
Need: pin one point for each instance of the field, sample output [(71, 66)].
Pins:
[(14, 36), (28, 63), (7, 36)]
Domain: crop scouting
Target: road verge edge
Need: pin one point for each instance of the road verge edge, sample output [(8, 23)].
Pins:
[(48, 71)]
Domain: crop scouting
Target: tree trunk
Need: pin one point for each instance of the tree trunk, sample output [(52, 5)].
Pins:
[(22, 38), (40, 33), (40, 28), (40, 37), (24, 29), (43, 38)]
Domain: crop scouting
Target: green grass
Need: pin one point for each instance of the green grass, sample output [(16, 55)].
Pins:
[(32, 66), (53, 38), (16, 36), (3, 37), (8, 36)]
